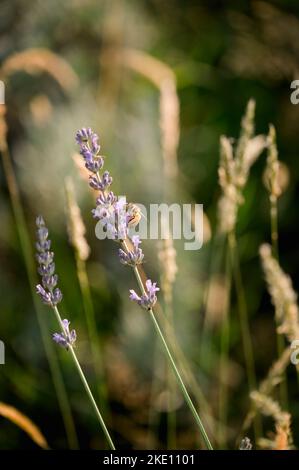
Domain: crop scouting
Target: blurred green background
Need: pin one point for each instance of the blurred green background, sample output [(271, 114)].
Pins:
[(222, 53)]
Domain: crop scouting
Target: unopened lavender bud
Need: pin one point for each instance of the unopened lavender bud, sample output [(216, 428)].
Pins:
[(42, 233), (40, 221), (43, 245), (49, 282), (94, 144), (56, 296), (46, 269), (106, 199), (83, 135), (106, 181), (44, 295), (95, 165), (45, 258), (94, 183)]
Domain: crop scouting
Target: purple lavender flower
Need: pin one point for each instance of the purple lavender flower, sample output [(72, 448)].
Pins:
[(111, 213), (106, 214), (106, 199), (134, 256), (101, 183), (94, 183), (95, 164), (108, 208), (148, 299), (88, 142), (89, 149), (67, 338), (106, 180), (115, 215), (83, 135), (56, 296), (45, 257), (49, 293), (86, 153)]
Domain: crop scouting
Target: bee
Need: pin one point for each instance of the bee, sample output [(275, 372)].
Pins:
[(134, 214)]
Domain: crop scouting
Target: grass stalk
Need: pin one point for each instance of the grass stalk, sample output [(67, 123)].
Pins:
[(283, 386), (274, 226), (224, 355), (244, 323), (215, 257)]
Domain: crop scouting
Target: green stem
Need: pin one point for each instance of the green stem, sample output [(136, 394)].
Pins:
[(174, 368), (224, 355), (171, 385), (283, 386), (274, 226), (26, 248), (155, 388), (188, 374), (85, 384), (181, 383), (244, 322), (216, 255)]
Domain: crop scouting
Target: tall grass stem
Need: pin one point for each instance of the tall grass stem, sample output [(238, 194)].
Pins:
[(244, 323), (283, 386), (224, 353)]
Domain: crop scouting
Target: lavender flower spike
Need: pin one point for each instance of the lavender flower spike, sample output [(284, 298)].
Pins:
[(51, 295), (66, 338), (148, 299), (133, 257), (109, 211), (47, 290), (89, 145)]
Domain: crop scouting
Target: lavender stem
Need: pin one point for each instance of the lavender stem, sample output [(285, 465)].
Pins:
[(85, 383), (173, 365)]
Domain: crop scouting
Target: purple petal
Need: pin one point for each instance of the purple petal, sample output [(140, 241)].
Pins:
[(134, 296)]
